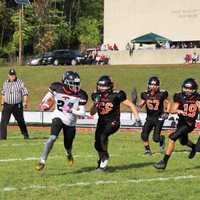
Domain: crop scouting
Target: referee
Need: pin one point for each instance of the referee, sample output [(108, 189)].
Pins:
[(14, 99)]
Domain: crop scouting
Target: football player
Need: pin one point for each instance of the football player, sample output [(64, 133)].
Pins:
[(106, 102), (186, 105), (157, 108), (69, 103)]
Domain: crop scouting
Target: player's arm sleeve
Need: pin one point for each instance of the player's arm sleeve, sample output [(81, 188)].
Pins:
[(49, 95)]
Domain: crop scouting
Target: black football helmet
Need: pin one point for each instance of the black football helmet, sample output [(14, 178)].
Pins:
[(189, 86), (72, 81), (104, 84), (153, 83)]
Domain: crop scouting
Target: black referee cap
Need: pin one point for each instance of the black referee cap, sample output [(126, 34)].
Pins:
[(12, 72)]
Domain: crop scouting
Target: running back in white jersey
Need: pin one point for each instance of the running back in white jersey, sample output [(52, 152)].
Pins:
[(67, 105)]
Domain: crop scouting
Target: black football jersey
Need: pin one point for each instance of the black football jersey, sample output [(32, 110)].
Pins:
[(108, 106), (154, 103), (188, 105)]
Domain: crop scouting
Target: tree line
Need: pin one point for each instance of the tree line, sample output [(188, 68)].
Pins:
[(50, 24)]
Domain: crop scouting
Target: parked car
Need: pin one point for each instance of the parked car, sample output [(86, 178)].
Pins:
[(34, 61), (63, 56)]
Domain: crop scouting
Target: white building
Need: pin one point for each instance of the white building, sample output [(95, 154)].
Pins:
[(178, 20)]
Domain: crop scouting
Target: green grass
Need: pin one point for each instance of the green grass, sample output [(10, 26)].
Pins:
[(131, 173), (38, 79)]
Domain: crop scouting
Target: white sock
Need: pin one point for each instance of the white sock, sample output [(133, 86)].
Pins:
[(42, 161)]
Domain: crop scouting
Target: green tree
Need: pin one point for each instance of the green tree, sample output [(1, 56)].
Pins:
[(87, 30), (6, 25), (46, 42), (63, 35)]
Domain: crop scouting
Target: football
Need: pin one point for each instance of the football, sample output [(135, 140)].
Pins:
[(47, 105)]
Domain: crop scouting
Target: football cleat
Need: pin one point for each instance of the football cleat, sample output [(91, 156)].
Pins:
[(192, 153), (70, 159), (160, 165), (147, 152), (40, 166)]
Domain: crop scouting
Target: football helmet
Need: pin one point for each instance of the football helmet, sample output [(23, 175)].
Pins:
[(104, 84), (153, 83), (189, 86), (72, 81)]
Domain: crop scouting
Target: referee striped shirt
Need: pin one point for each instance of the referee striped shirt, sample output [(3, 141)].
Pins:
[(13, 91)]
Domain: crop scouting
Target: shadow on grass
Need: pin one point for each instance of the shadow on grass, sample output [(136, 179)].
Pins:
[(117, 167)]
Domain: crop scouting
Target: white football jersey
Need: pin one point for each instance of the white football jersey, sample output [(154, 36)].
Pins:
[(65, 103)]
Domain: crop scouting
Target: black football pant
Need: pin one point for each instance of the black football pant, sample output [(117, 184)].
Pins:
[(182, 132), (17, 111), (103, 131), (150, 124), (68, 132)]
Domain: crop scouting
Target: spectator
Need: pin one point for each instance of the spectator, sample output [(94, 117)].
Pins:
[(103, 47), (128, 46), (167, 45), (109, 47), (115, 47), (188, 58), (195, 58)]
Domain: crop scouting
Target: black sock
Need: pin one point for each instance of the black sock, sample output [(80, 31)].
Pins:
[(147, 147), (162, 137), (166, 158)]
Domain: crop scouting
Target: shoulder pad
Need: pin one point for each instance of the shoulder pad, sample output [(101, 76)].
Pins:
[(144, 95), (55, 86)]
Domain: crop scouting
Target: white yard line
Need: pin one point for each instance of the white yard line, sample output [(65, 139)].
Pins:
[(51, 157), (101, 182)]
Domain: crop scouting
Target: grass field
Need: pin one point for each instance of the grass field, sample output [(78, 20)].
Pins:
[(38, 79), (130, 176)]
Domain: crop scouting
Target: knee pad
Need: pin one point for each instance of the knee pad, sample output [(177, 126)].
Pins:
[(52, 139), (144, 136)]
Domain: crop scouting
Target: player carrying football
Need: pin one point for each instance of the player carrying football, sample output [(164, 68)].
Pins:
[(186, 105), (69, 103), (107, 103), (157, 107)]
